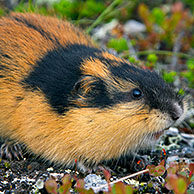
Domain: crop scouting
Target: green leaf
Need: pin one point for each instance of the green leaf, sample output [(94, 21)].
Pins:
[(190, 64), (145, 15), (2, 12), (151, 169), (160, 170), (192, 179), (152, 58), (120, 188), (66, 184), (169, 76), (118, 44), (176, 183), (181, 92), (69, 9), (92, 8), (158, 16), (129, 189), (181, 186), (132, 60)]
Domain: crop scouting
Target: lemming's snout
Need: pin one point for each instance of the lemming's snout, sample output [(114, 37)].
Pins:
[(176, 112)]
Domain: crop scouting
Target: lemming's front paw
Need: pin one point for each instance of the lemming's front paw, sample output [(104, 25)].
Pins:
[(11, 151)]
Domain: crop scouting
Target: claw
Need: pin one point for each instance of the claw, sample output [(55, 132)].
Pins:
[(11, 151)]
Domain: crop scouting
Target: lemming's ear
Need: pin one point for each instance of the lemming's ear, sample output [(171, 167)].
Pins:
[(82, 90), (84, 85)]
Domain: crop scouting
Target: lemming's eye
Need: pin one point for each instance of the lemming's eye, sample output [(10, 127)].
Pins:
[(136, 93)]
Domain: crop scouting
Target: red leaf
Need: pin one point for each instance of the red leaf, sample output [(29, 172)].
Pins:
[(162, 163), (51, 186), (65, 187), (106, 174), (176, 183), (191, 167)]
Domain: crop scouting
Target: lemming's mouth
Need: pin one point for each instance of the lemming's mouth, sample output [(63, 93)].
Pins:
[(157, 135)]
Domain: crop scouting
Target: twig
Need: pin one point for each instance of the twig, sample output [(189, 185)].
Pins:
[(163, 52), (82, 21), (122, 179), (101, 16)]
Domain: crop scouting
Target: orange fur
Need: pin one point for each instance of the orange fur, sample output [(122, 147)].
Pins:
[(79, 134), (112, 57), (95, 67), (84, 133)]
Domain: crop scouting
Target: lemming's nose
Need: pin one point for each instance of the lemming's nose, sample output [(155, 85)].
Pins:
[(175, 116), (176, 112)]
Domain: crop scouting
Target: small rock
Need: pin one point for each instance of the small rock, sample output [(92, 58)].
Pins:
[(173, 130), (133, 27), (95, 182), (40, 184), (176, 159), (101, 32), (51, 169)]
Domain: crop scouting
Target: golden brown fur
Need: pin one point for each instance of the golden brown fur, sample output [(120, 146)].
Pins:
[(84, 132)]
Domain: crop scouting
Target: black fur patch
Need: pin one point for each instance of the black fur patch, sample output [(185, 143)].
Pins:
[(98, 96), (57, 73), (157, 94), (5, 56)]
